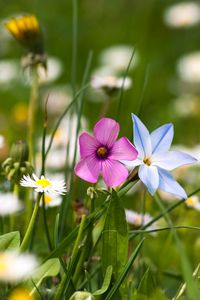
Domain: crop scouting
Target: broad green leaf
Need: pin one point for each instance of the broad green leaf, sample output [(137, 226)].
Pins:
[(106, 282), (123, 274), (48, 269), (10, 241), (115, 237)]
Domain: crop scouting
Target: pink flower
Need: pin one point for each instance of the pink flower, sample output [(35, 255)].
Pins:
[(101, 154)]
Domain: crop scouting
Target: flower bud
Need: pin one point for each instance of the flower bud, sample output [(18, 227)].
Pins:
[(82, 296), (16, 165)]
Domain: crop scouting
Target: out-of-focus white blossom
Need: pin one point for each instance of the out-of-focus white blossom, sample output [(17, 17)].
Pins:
[(183, 14), (110, 82), (137, 219), (9, 71), (9, 204), (188, 67), (15, 267), (54, 70), (59, 98), (193, 202), (117, 58), (186, 105)]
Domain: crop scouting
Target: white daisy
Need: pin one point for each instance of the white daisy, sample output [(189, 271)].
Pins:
[(9, 204), (15, 267), (183, 14), (44, 185), (193, 202)]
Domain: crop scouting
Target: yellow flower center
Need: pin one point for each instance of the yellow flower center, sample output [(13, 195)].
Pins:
[(191, 201), (102, 152), (147, 161), (20, 294), (3, 263), (43, 182)]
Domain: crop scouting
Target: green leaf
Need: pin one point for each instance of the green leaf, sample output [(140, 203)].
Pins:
[(10, 241), (106, 282), (125, 271), (48, 269), (115, 237)]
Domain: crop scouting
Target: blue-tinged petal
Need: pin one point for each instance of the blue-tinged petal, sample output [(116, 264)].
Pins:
[(161, 138), (170, 185), (142, 138), (149, 176), (131, 164), (172, 160)]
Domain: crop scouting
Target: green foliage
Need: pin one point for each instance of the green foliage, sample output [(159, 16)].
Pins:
[(48, 269), (10, 241)]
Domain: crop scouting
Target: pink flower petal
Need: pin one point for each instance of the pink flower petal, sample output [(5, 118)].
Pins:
[(88, 169), (113, 172), (106, 131), (123, 149), (88, 145)]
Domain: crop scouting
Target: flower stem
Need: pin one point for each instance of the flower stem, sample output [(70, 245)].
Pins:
[(26, 238), (67, 277), (31, 113)]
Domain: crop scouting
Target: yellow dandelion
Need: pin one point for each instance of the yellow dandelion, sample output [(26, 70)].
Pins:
[(27, 31)]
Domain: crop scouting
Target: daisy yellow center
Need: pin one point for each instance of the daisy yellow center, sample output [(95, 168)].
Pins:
[(47, 199), (147, 161), (20, 294), (43, 183), (102, 152)]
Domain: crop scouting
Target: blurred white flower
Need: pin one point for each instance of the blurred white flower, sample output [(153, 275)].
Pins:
[(110, 82), (117, 58), (44, 185), (186, 105), (15, 267), (9, 204), (58, 99), (137, 219), (54, 70), (9, 71), (2, 141), (51, 201), (188, 67), (193, 202), (183, 14)]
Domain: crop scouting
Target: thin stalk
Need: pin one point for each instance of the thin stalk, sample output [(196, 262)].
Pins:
[(66, 277), (74, 45), (27, 236), (31, 113)]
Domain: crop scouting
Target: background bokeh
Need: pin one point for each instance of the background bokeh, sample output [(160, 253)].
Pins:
[(168, 96)]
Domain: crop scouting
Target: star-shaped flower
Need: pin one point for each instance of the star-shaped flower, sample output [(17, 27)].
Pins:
[(155, 160)]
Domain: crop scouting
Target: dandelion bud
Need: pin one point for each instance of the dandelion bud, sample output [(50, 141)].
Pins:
[(27, 31), (16, 165), (19, 151), (82, 296)]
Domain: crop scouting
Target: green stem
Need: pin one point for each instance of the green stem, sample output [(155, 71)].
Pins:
[(26, 238), (31, 113), (66, 277)]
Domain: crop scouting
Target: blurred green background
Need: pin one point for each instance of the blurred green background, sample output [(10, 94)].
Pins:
[(102, 24)]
